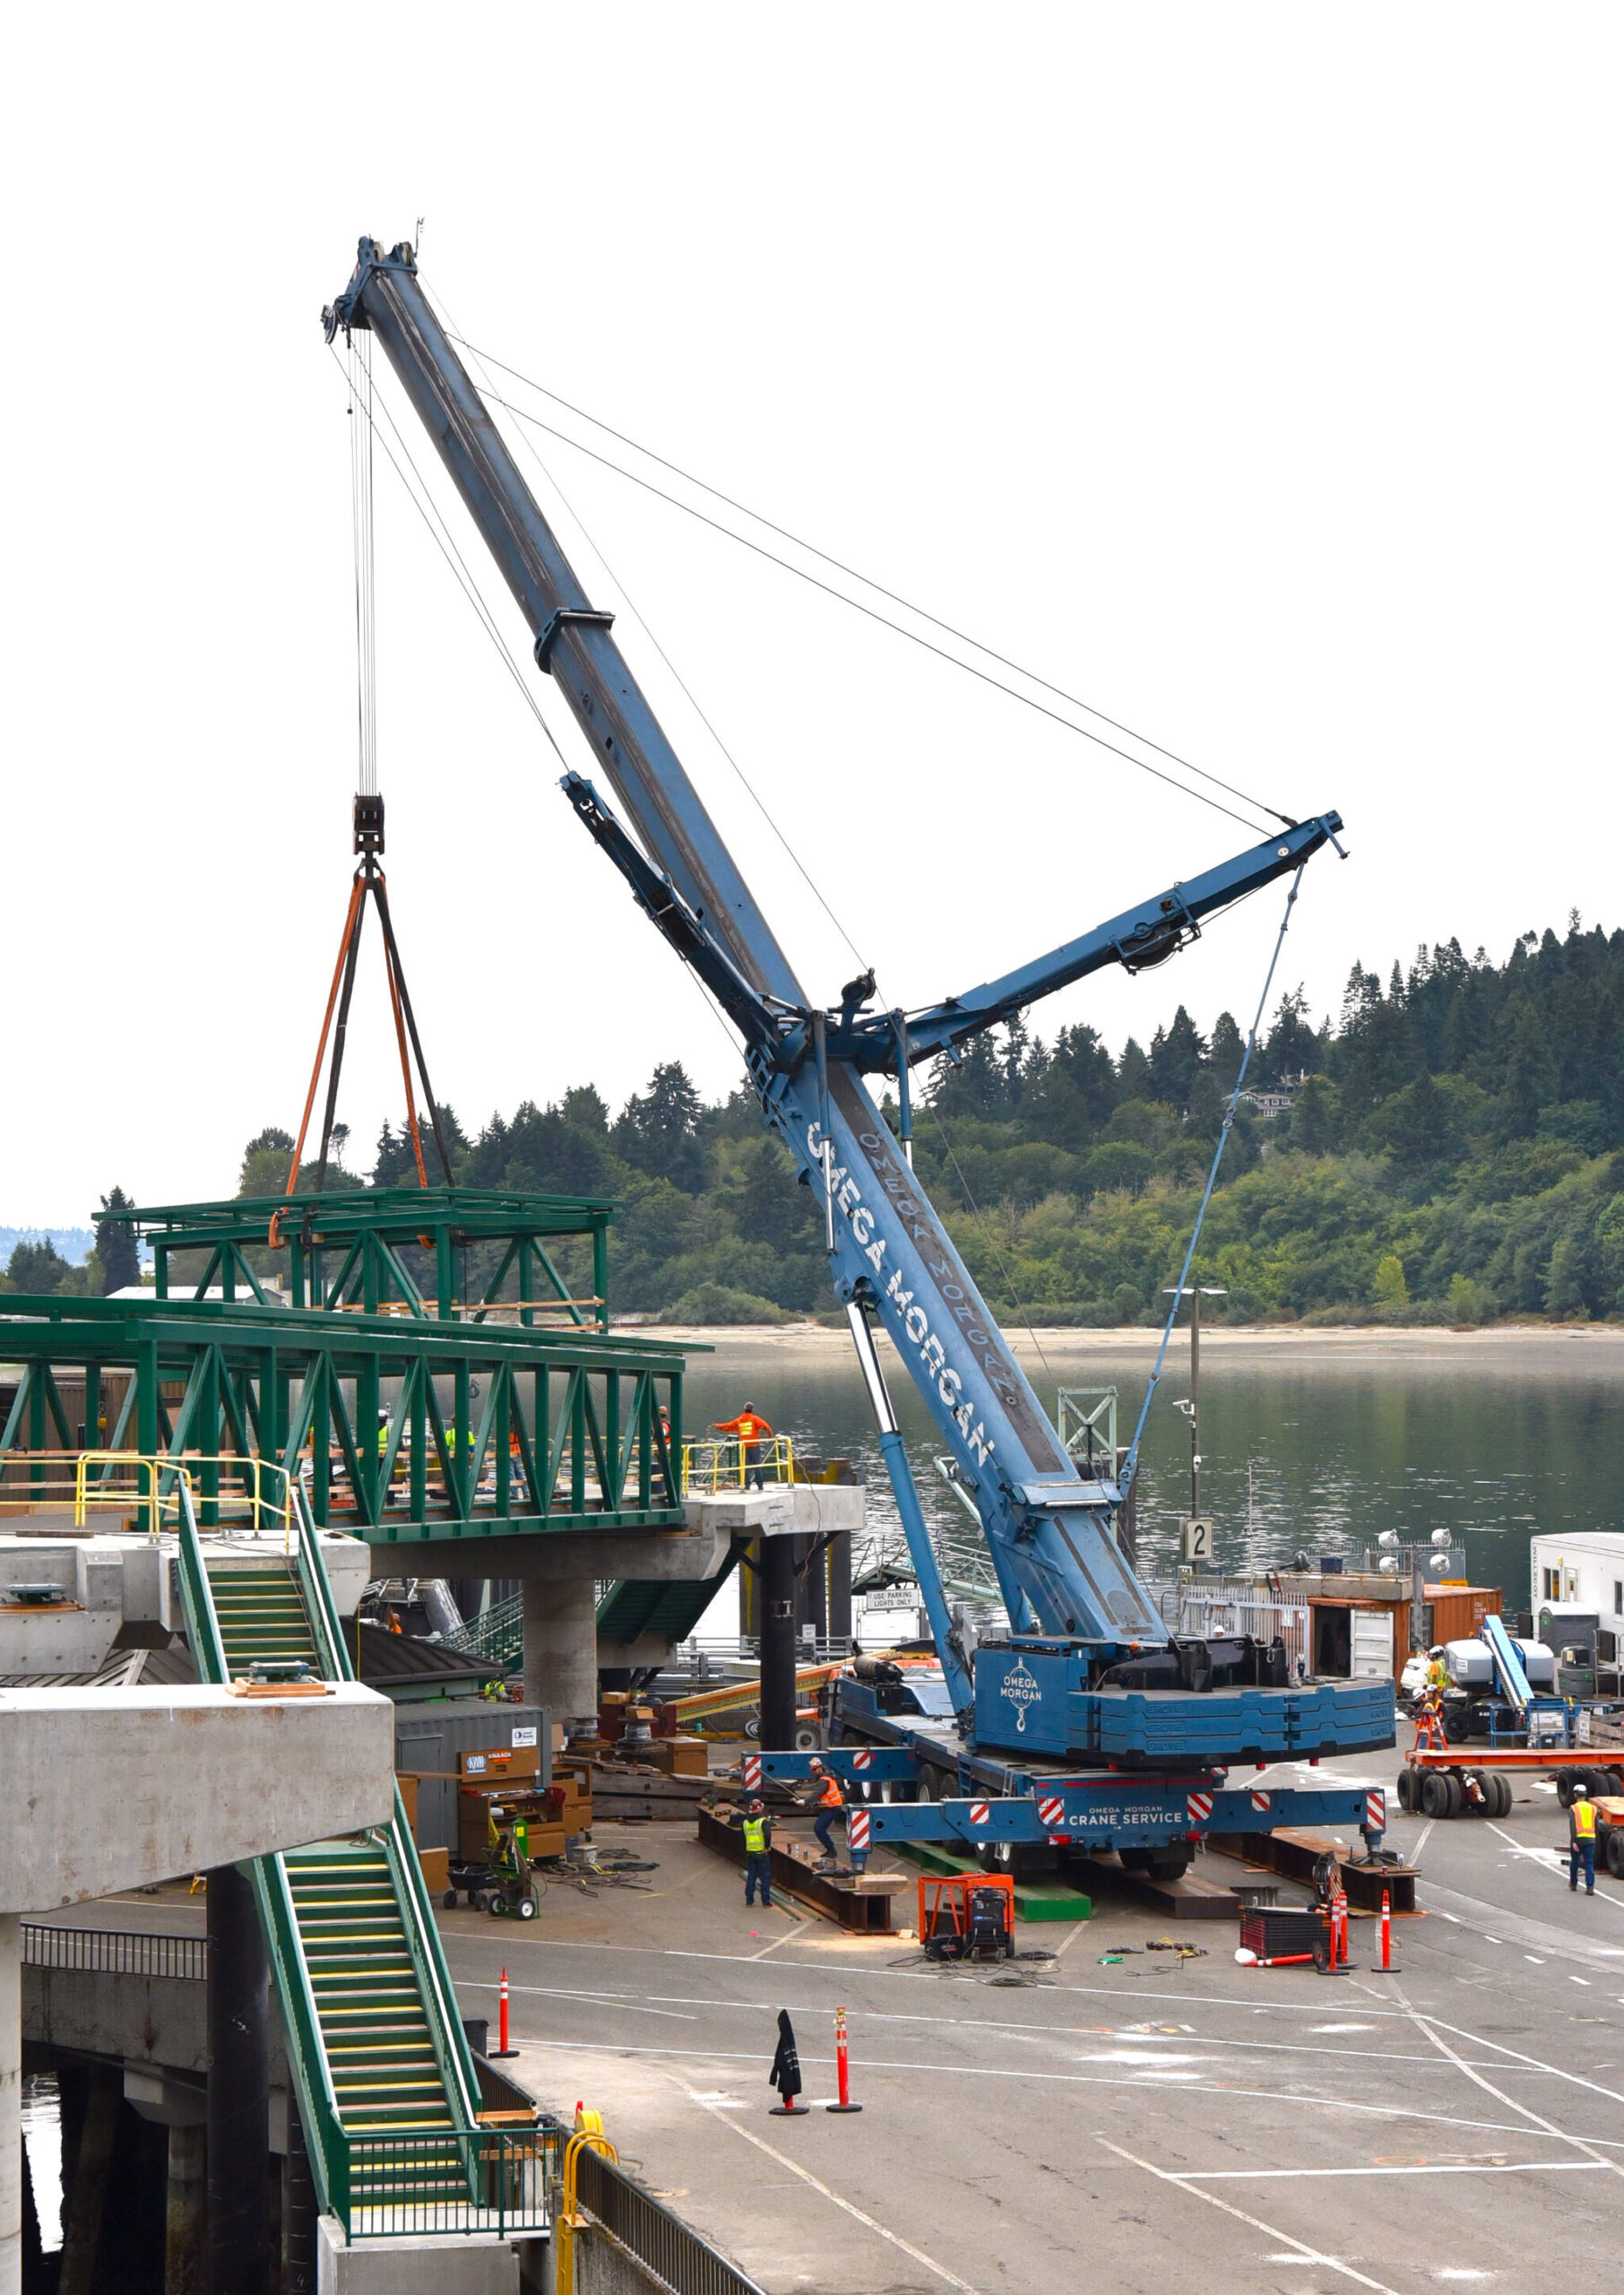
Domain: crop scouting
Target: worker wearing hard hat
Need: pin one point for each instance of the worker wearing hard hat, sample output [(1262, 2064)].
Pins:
[(757, 1847), (1437, 1671), (831, 1803), (1582, 1841)]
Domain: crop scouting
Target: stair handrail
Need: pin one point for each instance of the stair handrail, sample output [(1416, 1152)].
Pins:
[(317, 2100), (451, 2048), (327, 2139), (196, 1598)]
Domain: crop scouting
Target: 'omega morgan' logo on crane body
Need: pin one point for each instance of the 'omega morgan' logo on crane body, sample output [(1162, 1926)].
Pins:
[(1022, 1689), (915, 1322)]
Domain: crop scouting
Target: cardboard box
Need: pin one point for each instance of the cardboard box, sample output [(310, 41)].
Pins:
[(437, 1870), (682, 1756)]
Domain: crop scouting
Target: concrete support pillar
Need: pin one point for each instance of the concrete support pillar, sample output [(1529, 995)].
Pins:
[(299, 2210), (778, 1644), (86, 2199), (10, 2104), (561, 1646), (839, 1559), (186, 2213), (240, 2089)]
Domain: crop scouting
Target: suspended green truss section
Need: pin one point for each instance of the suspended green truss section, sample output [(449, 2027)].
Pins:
[(377, 1251), (399, 1427)]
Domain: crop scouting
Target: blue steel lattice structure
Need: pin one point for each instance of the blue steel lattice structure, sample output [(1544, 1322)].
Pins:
[(1062, 1575)]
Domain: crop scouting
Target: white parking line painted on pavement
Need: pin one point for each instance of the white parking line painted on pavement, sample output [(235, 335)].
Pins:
[(1444, 2167), (940, 2270), (1299, 2247)]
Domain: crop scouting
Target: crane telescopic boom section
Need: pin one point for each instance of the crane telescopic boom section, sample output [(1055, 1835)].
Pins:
[(1048, 1528)]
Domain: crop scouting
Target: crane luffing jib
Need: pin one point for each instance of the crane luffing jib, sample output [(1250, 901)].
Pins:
[(891, 1258)]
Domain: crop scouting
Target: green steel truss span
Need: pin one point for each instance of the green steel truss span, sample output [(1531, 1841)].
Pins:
[(372, 1248), (400, 1428)]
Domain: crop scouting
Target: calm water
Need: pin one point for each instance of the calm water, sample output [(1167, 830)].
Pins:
[(1491, 1438)]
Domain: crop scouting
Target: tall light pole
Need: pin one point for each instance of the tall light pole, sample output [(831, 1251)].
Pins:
[(1195, 1292)]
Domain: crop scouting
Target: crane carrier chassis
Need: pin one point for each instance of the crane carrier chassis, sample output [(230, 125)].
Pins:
[(914, 1778)]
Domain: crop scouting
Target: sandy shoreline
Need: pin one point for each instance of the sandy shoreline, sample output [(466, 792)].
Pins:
[(1588, 1345)]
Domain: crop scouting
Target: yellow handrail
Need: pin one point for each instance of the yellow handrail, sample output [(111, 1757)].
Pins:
[(265, 1511), (730, 1462), (589, 2136)]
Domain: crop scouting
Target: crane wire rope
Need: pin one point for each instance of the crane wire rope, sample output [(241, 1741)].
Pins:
[(975, 1213), (358, 360), (440, 534), (1132, 1467), (970, 669), (641, 619)]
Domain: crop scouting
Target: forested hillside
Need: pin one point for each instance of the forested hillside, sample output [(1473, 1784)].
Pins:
[(1455, 1153)]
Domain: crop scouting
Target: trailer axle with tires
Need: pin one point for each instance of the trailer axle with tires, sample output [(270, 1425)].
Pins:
[(1444, 1784)]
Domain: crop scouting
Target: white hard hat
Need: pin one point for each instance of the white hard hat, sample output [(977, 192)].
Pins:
[(1580, 1792)]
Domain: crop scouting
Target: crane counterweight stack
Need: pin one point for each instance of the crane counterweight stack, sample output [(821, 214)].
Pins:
[(1098, 1678)]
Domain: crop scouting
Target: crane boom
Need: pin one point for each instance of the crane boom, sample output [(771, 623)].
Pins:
[(892, 1260)]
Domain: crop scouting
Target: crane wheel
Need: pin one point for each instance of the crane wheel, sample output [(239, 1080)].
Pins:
[(1434, 1793), (1613, 1850), (1406, 1788), (1566, 1781), (1502, 1789)]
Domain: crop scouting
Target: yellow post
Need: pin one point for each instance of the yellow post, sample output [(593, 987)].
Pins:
[(589, 2136)]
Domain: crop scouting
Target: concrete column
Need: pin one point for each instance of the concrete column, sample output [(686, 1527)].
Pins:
[(561, 1646), (838, 1560), (86, 2202), (299, 2210), (240, 2089), (778, 1644), (10, 2104), (185, 2215)]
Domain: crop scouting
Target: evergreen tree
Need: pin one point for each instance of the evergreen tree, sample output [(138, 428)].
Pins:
[(115, 1244)]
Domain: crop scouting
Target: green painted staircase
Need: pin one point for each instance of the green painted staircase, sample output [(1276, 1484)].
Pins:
[(387, 2085), (261, 1613)]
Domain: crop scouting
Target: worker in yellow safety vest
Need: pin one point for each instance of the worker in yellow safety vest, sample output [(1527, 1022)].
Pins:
[(1437, 1671), (1582, 1841), (758, 1843)]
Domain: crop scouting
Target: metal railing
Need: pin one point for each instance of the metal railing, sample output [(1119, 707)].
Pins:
[(1209, 1608), (421, 2185), (729, 1462), (147, 1484), (672, 2250), (115, 1952)]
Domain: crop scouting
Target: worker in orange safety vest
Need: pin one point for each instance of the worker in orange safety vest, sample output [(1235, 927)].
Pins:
[(749, 1429), (831, 1803)]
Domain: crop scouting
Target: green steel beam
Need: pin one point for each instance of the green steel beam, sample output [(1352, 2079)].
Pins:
[(492, 1429)]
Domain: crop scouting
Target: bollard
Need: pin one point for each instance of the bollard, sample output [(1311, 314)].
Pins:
[(502, 2047), (841, 2068), (1388, 1966)]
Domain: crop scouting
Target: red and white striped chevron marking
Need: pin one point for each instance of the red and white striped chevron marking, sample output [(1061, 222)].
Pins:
[(856, 1829), (861, 1759), (1375, 1813), (1200, 1807), (979, 1811), (1051, 1810), (1259, 1800), (752, 1773)]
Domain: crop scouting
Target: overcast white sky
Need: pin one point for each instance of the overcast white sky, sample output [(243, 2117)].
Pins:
[(1250, 371)]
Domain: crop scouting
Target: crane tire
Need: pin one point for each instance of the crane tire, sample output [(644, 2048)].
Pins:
[(1502, 1788), (1454, 1794), (1613, 1850), (1566, 1778), (1405, 1788), (1434, 1796)]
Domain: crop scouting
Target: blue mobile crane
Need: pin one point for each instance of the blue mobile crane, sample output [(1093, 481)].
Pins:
[(1087, 1722)]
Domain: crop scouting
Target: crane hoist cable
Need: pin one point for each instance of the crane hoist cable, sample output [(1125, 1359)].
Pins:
[(368, 882)]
